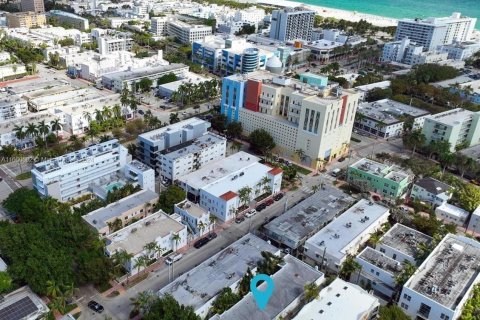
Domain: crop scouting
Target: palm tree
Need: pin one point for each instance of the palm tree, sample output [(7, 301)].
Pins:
[(244, 195), (201, 226), (380, 125), (87, 116), (212, 219), (106, 112), (56, 126), (446, 159), (117, 111), (141, 262), (98, 115), (20, 133), (315, 188), (176, 238), (150, 247), (32, 130), (174, 118), (311, 291), (349, 267), (125, 96), (143, 301), (407, 271), (301, 154), (53, 290), (269, 264), (43, 129), (414, 139)]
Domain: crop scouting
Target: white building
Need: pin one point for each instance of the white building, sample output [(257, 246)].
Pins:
[(452, 214), (159, 26), (140, 174), (474, 222), (216, 186), (433, 32), (363, 90), (343, 236), (12, 107), (323, 48), (341, 300), (431, 190), (158, 228), (109, 44), (186, 33), (443, 282), (70, 176), (251, 15), (292, 24), (385, 118), (12, 71), (195, 217), (191, 155), (460, 51), (23, 304)]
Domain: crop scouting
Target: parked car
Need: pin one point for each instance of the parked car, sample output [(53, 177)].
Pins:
[(250, 213), (141, 112), (260, 207), (336, 172), (278, 196), (269, 202), (341, 159), (173, 258), (200, 243), (211, 236), (239, 219), (95, 306)]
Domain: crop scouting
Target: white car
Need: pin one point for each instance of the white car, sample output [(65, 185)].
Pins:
[(251, 213)]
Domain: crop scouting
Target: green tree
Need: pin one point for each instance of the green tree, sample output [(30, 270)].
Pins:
[(145, 84), (349, 267), (56, 126), (244, 283), (244, 195), (170, 77), (234, 130), (224, 301), (173, 194), (5, 282), (174, 118), (392, 312), (219, 123), (167, 308), (468, 197), (261, 141), (311, 291), (269, 264)]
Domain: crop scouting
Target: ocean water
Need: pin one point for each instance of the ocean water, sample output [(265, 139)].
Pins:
[(405, 8)]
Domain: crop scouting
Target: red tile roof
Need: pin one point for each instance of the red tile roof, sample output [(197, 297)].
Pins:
[(228, 195), (275, 171)]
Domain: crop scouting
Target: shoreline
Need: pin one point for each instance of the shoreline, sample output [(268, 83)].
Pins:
[(354, 16)]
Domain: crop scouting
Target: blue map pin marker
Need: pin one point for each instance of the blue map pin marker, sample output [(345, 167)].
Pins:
[(262, 297)]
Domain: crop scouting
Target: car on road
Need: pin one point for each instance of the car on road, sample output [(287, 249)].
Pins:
[(341, 159), (170, 260), (269, 202), (211, 236), (251, 213), (200, 243), (141, 112), (239, 219), (260, 207), (95, 306), (278, 196)]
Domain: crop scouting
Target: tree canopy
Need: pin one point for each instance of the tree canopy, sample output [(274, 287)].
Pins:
[(167, 308), (261, 141), (392, 312), (50, 244), (169, 197)]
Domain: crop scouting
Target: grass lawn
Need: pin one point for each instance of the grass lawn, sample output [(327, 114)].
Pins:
[(24, 176), (301, 170)]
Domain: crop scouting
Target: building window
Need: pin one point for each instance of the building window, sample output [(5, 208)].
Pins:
[(424, 310), (406, 297)]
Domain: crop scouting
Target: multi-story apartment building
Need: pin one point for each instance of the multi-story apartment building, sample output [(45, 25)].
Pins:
[(474, 222), (116, 81), (297, 114), (217, 186), (12, 107), (343, 236), (158, 227), (385, 118), (117, 215), (140, 174), (152, 143), (452, 214), (36, 6), (25, 19), (77, 22), (442, 284), (387, 180), (186, 33), (431, 190), (159, 26), (109, 44), (292, 24), (433, 32), (195, 217), (191, 155), (460, 51), (457, 126), (71, 175), (230, 55)]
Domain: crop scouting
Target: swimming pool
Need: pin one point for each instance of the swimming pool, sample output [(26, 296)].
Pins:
[(117, 185)]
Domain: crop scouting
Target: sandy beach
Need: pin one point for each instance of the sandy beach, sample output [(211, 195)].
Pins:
[(336, 13)]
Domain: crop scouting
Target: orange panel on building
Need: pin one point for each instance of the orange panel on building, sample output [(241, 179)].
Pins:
[(344, 109), (252, 95)]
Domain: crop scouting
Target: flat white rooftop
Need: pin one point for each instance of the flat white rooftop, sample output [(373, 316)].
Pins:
[(159, 133), (193, 146), (338, 234), (215, 174), (340, 300), (452, 117), (99, 217), (389, 111), (133, 238), (448, 272), (192, 208), (197, 286), (368, 87), (453, 210), (393, 173), (289, 281)]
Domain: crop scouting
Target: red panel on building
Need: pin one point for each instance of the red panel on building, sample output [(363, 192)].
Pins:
[(252, 95), (344, 109)]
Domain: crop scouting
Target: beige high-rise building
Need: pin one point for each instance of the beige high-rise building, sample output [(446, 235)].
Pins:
[(37, 6), (25, 19)]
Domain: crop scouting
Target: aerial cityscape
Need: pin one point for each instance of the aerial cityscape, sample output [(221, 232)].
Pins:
[(239, 160)]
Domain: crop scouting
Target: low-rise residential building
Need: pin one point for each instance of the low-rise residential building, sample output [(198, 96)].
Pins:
[(343, 236), (186, 33), (108, 44), (152, 143), (116, 81), (25, 19), (389, 181), (191, 155), (158, 228), (442, 284), (474, 222), (70, 176), (431, 190), (452, 214), (12, 107), (218, 185), (23, 304), (460, 51), (457, 126), (341, 300), (69, 18), (289, 281), (402, 243), (140, 174), (385, 118), (317, 120), (200, 286), (195, 217), (119, 214), (297, 224)]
